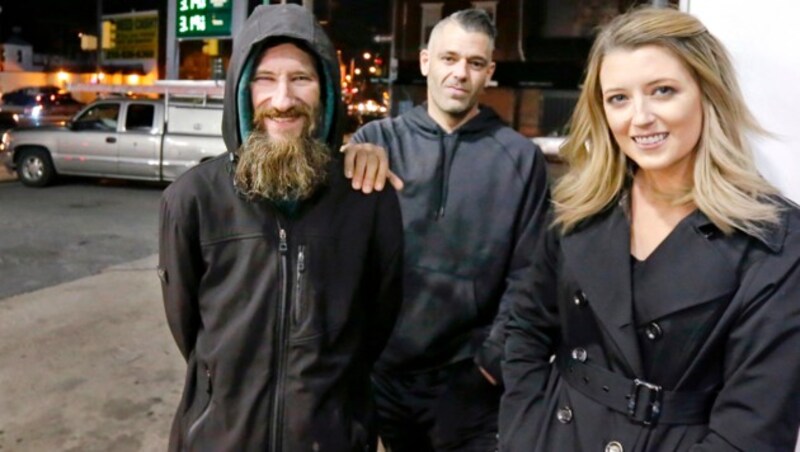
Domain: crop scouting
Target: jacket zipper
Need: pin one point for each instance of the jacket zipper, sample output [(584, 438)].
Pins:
[(277, 401), (200, 419), (298, 292)]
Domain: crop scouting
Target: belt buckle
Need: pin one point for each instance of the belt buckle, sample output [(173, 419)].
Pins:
[(653, 395)]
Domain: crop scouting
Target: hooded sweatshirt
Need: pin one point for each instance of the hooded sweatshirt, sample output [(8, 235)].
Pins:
[(279, 317), (473, 208)]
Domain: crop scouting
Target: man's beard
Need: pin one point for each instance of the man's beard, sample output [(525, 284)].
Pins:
[(282, 169)]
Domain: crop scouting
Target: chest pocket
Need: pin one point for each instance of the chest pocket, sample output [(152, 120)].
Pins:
[(317, 305)]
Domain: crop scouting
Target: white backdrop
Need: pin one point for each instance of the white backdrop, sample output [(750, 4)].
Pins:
[(762, 37)]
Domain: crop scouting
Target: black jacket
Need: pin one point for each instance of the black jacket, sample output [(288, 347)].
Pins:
[(708, 317), (279, 318), (472, 208)]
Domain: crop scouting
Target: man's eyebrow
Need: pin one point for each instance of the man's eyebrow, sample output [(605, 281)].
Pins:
[(308, 72)]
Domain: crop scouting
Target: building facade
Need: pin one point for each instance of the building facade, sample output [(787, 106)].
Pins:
[(540, 52)]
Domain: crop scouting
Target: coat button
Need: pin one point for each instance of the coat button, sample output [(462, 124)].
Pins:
[(614, 446), (579, 299), (653, 331), (579, 354), (564, 415)]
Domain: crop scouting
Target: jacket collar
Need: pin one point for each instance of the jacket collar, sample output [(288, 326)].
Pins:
[(773, 237), (597, 255)]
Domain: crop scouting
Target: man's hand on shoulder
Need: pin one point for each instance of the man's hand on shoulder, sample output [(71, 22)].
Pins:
[(367, 165)]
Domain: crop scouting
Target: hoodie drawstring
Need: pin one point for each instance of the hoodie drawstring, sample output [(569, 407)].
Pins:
[(447, 153)]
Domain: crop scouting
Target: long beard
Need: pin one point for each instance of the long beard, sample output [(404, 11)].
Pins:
[(285, 169)]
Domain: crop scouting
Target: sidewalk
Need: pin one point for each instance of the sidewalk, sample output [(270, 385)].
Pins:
[(89, 365)]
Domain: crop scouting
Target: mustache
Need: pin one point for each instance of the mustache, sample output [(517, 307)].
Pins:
[(269, 112)]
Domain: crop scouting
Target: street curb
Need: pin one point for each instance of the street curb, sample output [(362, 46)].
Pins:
[(89, 364)]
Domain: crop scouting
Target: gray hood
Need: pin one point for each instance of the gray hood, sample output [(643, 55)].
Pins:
[(280, 21)]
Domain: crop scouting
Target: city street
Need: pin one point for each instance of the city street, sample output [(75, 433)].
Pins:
[(86, 360), (73, 229)]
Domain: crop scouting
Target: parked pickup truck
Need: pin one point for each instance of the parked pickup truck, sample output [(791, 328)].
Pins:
[(146, 139)]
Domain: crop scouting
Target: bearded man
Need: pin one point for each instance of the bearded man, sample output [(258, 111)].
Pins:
[(281, 284)]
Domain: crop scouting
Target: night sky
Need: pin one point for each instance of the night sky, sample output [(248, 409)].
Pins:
[(52, 26)]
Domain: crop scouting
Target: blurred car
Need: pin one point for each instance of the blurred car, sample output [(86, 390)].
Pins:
[(360, 113), (40, 105)]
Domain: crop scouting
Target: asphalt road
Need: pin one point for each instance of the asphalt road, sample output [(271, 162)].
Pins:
[(73, 229)]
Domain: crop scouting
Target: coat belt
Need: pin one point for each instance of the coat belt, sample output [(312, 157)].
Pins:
[(643, 402)]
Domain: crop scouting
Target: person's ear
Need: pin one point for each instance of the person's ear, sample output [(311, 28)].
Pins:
[(490, 73), (424, 61)]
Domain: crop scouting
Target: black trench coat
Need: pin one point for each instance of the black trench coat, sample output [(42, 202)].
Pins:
[(722, 327)]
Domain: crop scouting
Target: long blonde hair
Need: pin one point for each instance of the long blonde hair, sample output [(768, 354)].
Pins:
[(727, 186)]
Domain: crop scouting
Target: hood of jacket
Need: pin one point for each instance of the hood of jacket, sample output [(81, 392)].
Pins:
[(277, 22), (485, 120)]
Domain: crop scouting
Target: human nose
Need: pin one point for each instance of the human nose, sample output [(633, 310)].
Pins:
[(282, 97), (460, 69), (642, 114)]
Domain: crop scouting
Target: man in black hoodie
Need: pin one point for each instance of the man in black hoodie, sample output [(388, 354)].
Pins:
[(473, 208), (280, 283)]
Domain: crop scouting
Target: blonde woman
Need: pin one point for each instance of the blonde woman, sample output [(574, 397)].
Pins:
[(663, 313)]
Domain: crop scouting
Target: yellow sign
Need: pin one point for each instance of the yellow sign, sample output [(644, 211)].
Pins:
[(135, 36)]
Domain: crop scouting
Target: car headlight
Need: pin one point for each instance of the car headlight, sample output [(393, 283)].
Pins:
[(36, 111), (6, 140)]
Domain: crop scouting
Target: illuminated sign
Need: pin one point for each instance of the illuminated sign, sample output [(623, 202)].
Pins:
[(203, 18), (131, 36)]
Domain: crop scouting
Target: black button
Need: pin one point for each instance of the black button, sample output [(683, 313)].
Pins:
[(579, 354), (653, 331), (709, 231), (579, 299), (564, 415)]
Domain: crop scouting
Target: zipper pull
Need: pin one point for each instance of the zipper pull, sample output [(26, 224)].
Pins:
[(301, 260), (282, 246), (208, 375)]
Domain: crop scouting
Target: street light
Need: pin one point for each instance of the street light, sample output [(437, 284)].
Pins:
[(367, 55)]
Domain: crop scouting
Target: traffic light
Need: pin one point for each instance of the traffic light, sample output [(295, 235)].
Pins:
[(109, 38), (211, 47)]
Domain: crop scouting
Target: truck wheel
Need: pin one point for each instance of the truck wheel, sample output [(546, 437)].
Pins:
[(35, 169)]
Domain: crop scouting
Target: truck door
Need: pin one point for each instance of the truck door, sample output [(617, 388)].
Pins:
[(91, 145), (139, 142)]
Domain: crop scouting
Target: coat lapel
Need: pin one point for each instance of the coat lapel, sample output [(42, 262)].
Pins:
[(598, 256)]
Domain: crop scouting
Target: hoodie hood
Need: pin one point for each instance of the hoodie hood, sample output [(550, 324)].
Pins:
[(485, 120), (279, 22)]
